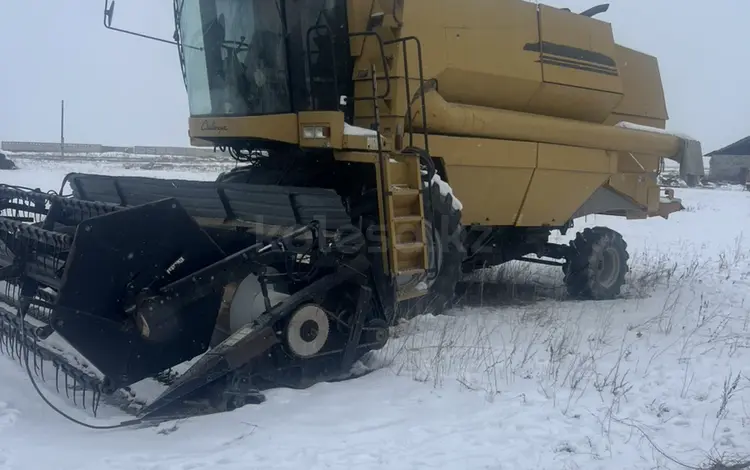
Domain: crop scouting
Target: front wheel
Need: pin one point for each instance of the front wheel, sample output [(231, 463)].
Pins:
[(444, 237), (596, 264)]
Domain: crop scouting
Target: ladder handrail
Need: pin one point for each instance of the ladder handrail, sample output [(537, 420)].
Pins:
[(420, 66), (376, 111), (384, 61), (383, 180), (407, 79)]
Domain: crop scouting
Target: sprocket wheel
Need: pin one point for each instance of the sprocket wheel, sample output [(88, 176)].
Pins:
[(596, 264)]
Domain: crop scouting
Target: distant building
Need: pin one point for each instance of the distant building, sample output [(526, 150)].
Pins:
[(731, 164), (6, 163)]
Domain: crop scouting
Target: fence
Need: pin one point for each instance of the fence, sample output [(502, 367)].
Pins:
[(13, 146), (54, 147)]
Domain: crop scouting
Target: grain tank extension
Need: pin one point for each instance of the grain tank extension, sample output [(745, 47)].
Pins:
[(383, 148)]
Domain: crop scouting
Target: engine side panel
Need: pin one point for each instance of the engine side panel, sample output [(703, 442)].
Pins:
[(580, 171)]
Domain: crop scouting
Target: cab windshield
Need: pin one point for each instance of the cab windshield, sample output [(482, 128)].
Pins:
[(256, 57), (236, 65)]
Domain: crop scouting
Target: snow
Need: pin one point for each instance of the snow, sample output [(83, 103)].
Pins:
[(48, 174), (641, 127), (527, 380), (354, 130), (445, 189)]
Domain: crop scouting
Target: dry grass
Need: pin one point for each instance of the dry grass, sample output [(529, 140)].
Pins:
[(575, 350)]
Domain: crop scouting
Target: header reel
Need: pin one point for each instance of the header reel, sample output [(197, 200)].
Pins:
[(112, 295)]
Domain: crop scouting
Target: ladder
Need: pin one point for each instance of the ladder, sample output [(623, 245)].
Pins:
[(400, 189)]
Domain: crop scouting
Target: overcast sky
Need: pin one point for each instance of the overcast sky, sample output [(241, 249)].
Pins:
[(120, 89)]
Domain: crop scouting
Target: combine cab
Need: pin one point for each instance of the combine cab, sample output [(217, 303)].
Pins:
[(381, 154)]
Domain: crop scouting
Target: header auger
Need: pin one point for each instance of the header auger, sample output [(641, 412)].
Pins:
[(357, 127), (140, 301)]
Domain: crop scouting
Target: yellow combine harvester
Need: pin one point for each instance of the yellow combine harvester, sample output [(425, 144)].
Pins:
[(385, 146)]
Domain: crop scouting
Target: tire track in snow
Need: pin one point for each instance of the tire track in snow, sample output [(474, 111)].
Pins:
[(8, 417)]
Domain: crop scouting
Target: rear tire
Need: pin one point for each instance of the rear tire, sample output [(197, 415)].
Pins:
[(596, 264)]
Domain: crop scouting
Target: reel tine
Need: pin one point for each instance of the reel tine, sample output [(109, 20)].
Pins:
[(22, 345), (36, 366), (95, 401), (23, 354), (17, 347), (12, 345)]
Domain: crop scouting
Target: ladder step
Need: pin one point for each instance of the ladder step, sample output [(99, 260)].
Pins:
[(410, 294), (411, 272), (410, 247), (404, 191), (408, 219)]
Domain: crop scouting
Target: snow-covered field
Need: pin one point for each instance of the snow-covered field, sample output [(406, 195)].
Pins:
[(34, 172), (654, 380)]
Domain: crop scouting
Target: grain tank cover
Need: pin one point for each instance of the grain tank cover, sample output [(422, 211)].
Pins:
[(518, 56), (578, 51)]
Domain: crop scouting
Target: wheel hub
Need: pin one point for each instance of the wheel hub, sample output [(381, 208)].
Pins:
[(607, 267), (307, 330), (377, 334)]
